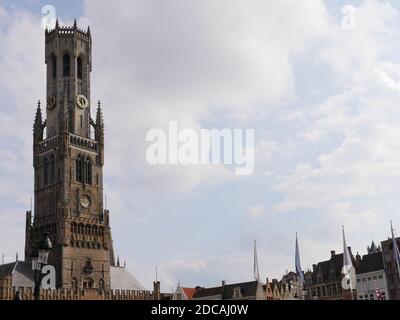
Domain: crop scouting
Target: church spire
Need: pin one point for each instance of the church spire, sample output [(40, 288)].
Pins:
[(99, 117), (38, 116), (38, 124)]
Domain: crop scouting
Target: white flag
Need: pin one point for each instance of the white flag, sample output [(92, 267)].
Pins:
[(396, 252), (256, 271), (299, 271), (348, 270)]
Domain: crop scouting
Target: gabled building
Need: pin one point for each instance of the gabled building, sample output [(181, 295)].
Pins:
[(18, 274), (371, 276), (393, 278), (252, 290), (324, 281), (183, 293)]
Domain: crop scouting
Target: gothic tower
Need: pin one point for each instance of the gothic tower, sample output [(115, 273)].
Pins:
[(68, 166)]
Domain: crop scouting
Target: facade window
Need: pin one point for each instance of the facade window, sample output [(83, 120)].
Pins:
[(84, 169), (79, 169), (88, 171), (88, 283), (54, 66), (66, 66), (79, 67)]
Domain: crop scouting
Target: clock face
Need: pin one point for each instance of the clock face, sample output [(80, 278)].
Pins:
[(81, 101), (51, 103), (85, 201)]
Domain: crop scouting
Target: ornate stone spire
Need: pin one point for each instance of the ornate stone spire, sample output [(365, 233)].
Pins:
[(99, 117), (38, 117), (38, 125)]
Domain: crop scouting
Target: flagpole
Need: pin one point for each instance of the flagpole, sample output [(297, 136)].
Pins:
[(347, 262)]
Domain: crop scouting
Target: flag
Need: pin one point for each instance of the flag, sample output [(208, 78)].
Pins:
[(348, 268), (396, 252), (256, 271), (297, 262)]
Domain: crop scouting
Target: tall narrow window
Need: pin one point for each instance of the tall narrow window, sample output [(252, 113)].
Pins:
[(79, 67), (79, 169), (66, 65), (88, 171), (54, 66)]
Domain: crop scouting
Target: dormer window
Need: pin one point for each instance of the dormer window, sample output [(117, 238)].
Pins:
[(237, 293)]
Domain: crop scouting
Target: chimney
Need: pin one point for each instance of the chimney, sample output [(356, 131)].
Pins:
[(358, 259), (333, 253), (156, 290)]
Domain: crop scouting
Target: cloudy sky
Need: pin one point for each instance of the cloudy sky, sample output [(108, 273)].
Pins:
[(318, 81)]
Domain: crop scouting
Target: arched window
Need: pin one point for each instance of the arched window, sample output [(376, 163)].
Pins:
[(88, 171), (79, 168), (52, 169), (81, 228), (79, 67), (88, 283), (66, 65), (54, 66), (46, 165)]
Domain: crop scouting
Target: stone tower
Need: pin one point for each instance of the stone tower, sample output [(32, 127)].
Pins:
[(68, 165)]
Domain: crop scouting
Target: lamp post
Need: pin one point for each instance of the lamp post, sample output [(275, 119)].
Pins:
[(39, 259)]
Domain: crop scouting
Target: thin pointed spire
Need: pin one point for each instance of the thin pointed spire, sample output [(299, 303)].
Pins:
[(38, 116), (99, 116), (57, 24), (88, 30), (118, 261), (75, 24)]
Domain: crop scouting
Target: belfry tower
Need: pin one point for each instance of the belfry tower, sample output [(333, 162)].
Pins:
[(68, 159)]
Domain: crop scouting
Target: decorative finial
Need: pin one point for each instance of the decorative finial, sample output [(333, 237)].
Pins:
[(99, 104), (38, 104), (75, 24), (16, 256), (57, 24), (124, 264), (118, 261), (88, 30)]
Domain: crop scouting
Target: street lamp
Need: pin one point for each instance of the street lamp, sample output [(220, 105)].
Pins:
[(39, 258)]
